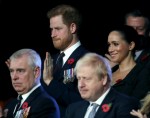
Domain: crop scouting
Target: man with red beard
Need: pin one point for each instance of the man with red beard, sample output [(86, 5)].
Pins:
[(60, 82)]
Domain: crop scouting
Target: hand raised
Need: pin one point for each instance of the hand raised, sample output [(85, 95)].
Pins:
[(48, 69), (7, 63)]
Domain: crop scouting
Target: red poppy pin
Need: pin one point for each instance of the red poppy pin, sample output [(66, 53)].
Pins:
[(118, 81), (71, 61), (106, 107), (25, 105), (145, 57)]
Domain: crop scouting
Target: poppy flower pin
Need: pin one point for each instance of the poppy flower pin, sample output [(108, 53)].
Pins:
[(25, 111), (71, 61), (24, 105), (106, 107), (118, 81), (145, 57)]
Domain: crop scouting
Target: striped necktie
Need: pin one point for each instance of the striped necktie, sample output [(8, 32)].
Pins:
[(93, 111)]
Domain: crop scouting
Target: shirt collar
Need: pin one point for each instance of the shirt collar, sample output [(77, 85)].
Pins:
[(101, 98), (70, 50), (24, 96)]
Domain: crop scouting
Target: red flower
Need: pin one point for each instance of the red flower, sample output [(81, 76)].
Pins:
[(106, 107), (25, 105), (145, 57), (71, 61), (118, 81)]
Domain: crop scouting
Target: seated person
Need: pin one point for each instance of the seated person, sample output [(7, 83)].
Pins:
[(144, 111), (137, 19), (128, 76), (32, 102), (100, 99)]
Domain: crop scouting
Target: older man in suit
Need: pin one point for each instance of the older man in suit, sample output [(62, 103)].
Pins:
[(32, 101), (94, 84)]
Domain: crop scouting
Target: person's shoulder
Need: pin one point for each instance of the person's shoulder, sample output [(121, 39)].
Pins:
[(10, 103), (123, 97), (144, 57), (78, 104), (44, 99), (79, 52), (82, 49), (40, 94)]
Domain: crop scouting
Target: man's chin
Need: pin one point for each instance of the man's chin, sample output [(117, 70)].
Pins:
[(19, 91)]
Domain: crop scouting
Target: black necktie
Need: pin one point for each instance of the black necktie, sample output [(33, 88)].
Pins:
[(59, 61), (19, 98), (58, 65)]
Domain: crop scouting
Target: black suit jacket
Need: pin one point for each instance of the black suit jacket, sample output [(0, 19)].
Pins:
[(65, 93), (41, 105), (144, 57), (121, 105), (136, 83)]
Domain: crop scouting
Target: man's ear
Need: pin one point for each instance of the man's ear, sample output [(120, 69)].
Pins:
[(105, 80), (36, 71), (73, 28)]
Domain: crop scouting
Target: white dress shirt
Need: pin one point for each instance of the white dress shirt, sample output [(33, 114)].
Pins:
[(98, 101)]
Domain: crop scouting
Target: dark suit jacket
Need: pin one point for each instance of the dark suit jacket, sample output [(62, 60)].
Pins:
[(42, 105), (120, 108), (65, 93), (144, 57)]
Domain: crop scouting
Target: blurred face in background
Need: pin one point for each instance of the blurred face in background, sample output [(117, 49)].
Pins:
[(138, 23)]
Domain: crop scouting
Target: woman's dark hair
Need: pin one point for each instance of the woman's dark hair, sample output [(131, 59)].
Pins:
[(129, 34)]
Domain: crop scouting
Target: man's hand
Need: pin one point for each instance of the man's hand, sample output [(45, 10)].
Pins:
[(7, 63), (48, 69)]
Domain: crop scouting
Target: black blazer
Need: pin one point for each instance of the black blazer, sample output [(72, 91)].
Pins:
[(144, 57), (121, 105), (40, 103), (65, 93), (136, 83)]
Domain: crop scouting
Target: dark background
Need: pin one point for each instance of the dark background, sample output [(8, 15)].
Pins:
[(23, 24)]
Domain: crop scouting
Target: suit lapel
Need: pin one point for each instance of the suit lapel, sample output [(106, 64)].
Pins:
[(31, 97), (143, 57), (109, 99), (77, 53), (82, 110), (71, 61)]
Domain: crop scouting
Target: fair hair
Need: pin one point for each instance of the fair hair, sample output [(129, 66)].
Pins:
[(145, 109), (97, 62), (34, 59)]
